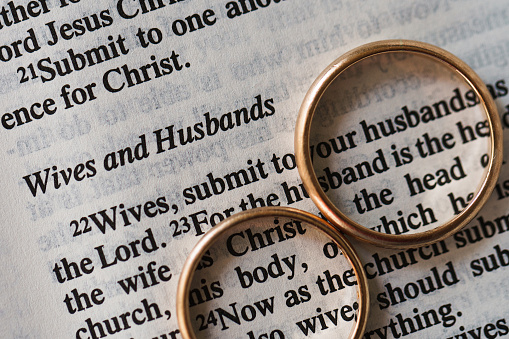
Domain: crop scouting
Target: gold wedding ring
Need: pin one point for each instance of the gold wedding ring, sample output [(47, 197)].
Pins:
[(308, 175), (250, 217)]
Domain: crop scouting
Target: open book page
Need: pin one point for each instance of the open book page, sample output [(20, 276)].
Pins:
[(130, 128)]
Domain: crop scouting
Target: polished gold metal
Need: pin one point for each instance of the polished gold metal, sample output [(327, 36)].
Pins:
[(310, 181), (183, 316)]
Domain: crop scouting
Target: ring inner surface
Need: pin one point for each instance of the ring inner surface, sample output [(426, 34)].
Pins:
[(399, 142)]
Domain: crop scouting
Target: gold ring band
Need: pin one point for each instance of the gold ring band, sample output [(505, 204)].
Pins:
[(184, 284), (308, 175)]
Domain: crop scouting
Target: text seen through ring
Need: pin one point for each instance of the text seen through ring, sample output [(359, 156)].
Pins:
[(269, 261), (399, 143)]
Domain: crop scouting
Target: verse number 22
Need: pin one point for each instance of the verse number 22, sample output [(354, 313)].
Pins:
[(77, 231)]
